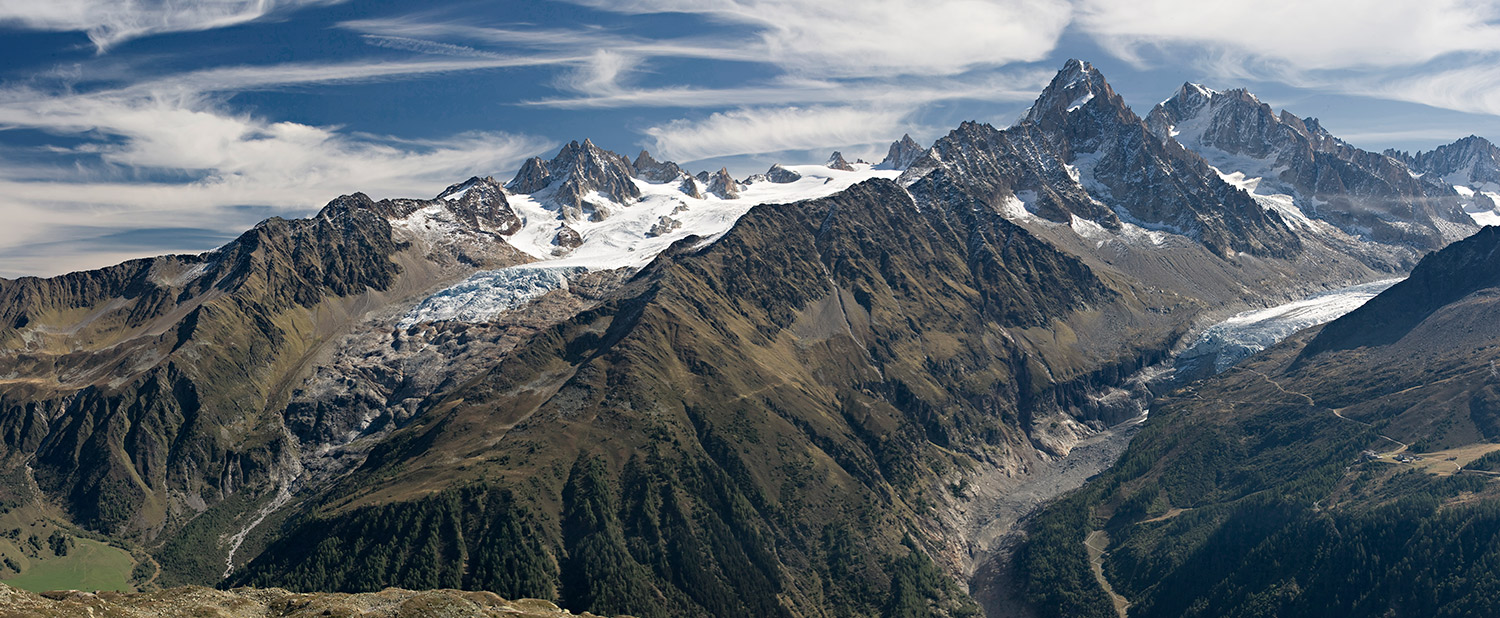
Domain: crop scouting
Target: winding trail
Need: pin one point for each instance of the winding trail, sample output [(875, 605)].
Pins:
[(1338, 412)]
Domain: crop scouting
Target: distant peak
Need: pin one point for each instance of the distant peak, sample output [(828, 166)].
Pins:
[(576, 171), (1195, 90), (472, 182), (901, 154), (1076, 85), (1074, 65), (647, 168), (723, 185), (836, 161)]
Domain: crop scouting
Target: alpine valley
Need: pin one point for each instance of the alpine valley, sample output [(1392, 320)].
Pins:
[(838, 389)]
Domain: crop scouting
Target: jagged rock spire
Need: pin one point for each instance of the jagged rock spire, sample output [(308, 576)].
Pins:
[(836, 161), (689, 187), (723, 185), (576, 171), (901, 154), (534, 176), (649, 169)]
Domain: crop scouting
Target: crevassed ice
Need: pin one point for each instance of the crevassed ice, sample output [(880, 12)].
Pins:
[(1228, 342), (487, 294)]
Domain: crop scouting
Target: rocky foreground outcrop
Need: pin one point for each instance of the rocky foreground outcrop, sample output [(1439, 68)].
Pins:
[(271, 602)]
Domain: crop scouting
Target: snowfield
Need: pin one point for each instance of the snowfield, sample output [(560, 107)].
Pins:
[(623, 239)]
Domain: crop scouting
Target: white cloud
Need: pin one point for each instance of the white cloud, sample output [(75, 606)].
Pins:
[(907, 92), (1321, 34), (202, 162), (600, 74), (1473, 89), (428, 26), (882, 37), (767, 130), (108, 22), (255, 77)]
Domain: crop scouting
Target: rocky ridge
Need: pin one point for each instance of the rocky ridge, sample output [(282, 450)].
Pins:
[(1371, 195)]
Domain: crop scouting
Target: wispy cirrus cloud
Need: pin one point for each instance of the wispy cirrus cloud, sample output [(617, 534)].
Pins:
[(1474, 88), (881, 37), (1440, 53), (764, 130), (1323, 34), (910, 92), (109, 22), (437, 27), (845, 77)]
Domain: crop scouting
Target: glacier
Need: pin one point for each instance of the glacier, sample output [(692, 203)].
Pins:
[(1231, 341), (489, 293)]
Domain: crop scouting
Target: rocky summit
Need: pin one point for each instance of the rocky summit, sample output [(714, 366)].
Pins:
[(832, 389)]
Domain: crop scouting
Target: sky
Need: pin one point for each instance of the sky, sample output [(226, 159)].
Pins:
[(136, 128)]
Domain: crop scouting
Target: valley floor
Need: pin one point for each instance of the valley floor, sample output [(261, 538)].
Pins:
[(1003, 504)]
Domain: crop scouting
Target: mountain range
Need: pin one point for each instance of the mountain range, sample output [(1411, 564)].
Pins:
[(629, 389)]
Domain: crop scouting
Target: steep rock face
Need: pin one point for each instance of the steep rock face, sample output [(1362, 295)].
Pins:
[(1015, 167), (1358, 466), (689, 187), (481, 204), (902, 154), (724, 185), (1144, 179), (650, 170), (741, 425), (1439, 280), (570, 177), (120, 427), (1361, 192), (531, 178)]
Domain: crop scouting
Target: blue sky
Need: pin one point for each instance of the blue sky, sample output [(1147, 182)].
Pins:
[(130, 129)]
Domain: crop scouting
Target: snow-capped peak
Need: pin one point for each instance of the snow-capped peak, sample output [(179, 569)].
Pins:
[(457, 191), (581, 181), (1071, 89)]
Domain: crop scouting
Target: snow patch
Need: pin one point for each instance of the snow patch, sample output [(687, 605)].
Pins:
[(1087, 229), (1080, 102), (1488, 217), (457, 195), (1017, 207)]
